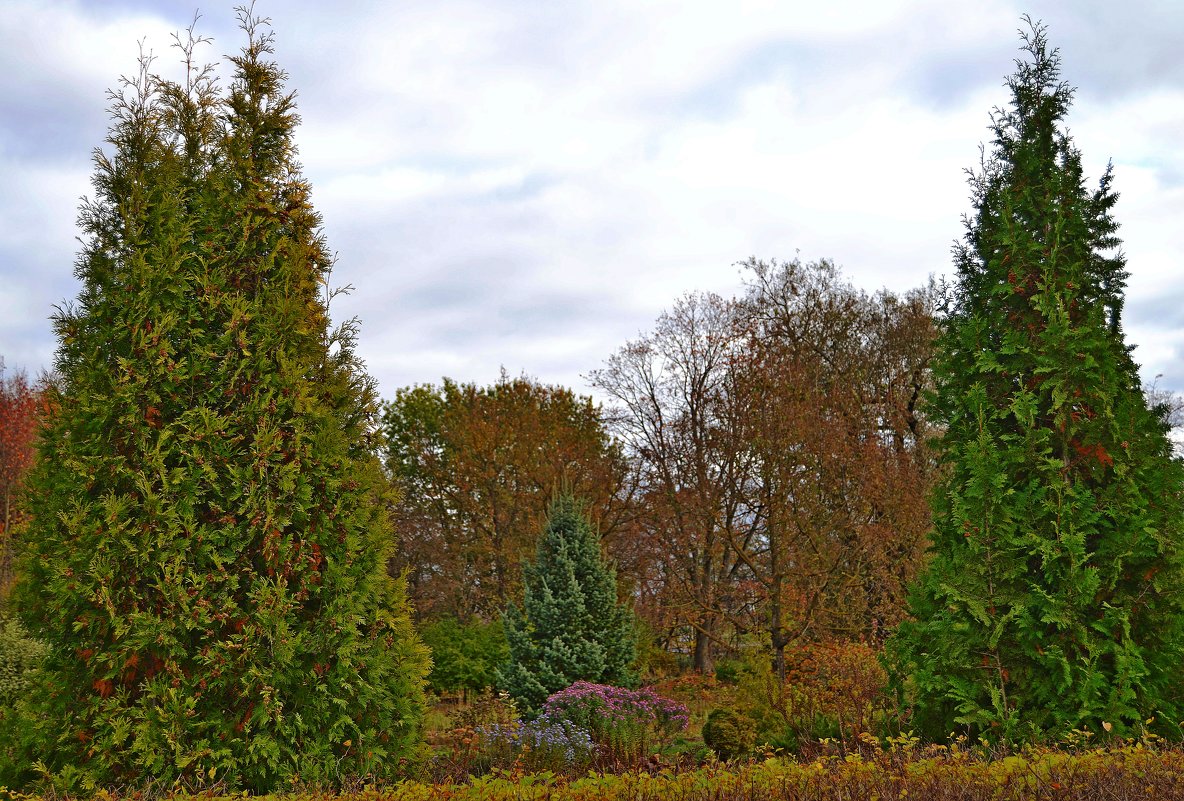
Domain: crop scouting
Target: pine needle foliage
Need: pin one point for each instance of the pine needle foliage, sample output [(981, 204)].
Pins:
[(571, 626), (1053, 600), (208, 547)]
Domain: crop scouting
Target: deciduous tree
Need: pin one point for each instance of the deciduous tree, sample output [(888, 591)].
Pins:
[(477, 468), (830, 382), (678, 413), (778, 447), (20, 410)]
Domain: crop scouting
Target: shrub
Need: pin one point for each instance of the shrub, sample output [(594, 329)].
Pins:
[(487, 708), (831, 690), (20, 656), (465, 656), (625, 723), (1121, 773), (729, 671), (571, 625), (727, 733)]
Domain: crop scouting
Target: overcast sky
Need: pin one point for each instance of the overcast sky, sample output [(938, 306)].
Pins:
[(528, 183)]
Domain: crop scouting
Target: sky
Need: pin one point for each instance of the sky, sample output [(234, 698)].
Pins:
[(527, 184)]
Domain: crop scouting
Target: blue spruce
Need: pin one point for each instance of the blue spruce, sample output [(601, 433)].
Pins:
[(571, 626)]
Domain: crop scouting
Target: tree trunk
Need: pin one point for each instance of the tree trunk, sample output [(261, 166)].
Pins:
[(704, 660)]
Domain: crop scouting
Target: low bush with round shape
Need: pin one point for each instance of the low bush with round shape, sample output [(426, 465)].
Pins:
[(727, 733)]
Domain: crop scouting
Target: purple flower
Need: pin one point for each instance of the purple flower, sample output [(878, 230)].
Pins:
[(617, 718), (543, 735)]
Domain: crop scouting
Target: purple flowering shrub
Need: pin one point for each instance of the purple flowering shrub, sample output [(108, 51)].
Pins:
[(544, 743), (625, 723)]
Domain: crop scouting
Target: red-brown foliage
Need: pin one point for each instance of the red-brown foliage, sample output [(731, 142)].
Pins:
[(20, 409)]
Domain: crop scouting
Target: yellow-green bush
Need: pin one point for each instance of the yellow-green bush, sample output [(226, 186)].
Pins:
[(936, 774), (831, 690)]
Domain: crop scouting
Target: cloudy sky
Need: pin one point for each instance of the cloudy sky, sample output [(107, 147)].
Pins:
[(528, 183)]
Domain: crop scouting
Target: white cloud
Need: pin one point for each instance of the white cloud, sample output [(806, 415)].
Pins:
[(527, 185)]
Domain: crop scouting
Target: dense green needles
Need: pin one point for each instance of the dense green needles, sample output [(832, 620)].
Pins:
[(570, 626), (208, 547), (1053, 600)]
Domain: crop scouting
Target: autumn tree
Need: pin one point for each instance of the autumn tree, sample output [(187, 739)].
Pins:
[(830, 382), (208, 541), (570, 626), (677, 411), (20, 408), (1054, 597), (476, 469), (778, 445)]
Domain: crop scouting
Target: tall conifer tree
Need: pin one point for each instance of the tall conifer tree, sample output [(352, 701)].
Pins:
[(1054, 597), (208, 541), (571, 626)]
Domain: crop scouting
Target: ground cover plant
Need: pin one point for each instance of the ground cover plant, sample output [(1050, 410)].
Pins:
[(1131, 771), (1127, 771)]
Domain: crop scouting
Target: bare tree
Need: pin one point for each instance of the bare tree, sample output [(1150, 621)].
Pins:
[(676, 414)]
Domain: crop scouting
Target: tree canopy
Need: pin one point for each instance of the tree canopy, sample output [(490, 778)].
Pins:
[(476, 469)]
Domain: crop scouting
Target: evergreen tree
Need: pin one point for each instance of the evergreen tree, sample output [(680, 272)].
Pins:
[(570, 626), (1053, 600), (208, 540)]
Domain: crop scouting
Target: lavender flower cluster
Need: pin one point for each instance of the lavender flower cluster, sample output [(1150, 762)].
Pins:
[(602, 706), (545, 736)]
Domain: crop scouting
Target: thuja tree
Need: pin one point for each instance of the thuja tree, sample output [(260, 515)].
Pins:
[(571, 625), (207, 555), (1053, 600)]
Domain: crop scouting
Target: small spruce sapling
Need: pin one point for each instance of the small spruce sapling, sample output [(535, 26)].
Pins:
[(571, 626)]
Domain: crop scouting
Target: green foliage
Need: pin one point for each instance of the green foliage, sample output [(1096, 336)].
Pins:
[(729, 671), (728, 733), (1053, 600), (20, 657), (571, 626), (465, 656), (208, 546)]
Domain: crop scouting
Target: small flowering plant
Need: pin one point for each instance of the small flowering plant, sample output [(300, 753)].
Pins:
[(624, 722), (544, 743)]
